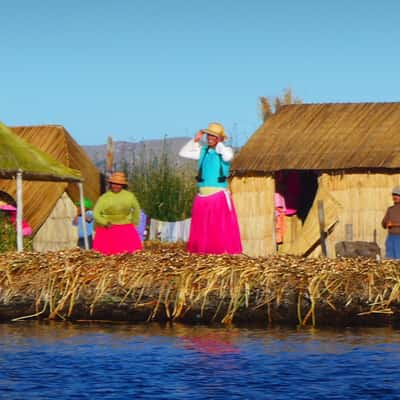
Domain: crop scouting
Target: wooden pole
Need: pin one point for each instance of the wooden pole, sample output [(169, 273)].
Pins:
[(109, 156), (83, 214), (20, 205), (321, 219)]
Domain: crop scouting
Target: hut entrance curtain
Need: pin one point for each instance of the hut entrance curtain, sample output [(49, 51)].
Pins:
[(310, 233)]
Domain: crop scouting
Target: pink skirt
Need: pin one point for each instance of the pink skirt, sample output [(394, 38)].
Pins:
[(214, 228), (117, 239)]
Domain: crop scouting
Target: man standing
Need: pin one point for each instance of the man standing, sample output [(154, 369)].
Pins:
[(391, 222)]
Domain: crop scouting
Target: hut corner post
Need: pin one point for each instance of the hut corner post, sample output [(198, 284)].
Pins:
[(321, 219), (20, 242), (83, 214)]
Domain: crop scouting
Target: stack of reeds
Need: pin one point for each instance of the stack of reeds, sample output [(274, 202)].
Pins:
[(164, 282)]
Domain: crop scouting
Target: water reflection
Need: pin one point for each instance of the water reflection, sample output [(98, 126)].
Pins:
[(118, 361)]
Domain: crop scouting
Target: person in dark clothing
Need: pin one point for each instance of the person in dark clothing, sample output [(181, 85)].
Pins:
[(391, 222)]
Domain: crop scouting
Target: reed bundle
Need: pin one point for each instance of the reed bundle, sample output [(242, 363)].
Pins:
[(164, 282)]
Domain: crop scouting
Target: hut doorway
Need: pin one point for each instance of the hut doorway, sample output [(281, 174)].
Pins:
[(295, 191)]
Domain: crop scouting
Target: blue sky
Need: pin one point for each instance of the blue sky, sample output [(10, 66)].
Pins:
[(145, 69)]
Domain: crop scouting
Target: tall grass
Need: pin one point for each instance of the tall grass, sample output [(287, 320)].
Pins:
[(163, 184)]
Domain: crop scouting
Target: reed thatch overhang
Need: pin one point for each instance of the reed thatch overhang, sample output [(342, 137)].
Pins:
[(17, 155), (56, 141), (40, 196), (337, 136)]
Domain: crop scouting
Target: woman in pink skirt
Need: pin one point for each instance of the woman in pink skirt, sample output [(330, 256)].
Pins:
[(116, 214), (214, 227)]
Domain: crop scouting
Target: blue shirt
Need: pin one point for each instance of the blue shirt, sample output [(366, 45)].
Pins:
[(89, 225), (211, 162)]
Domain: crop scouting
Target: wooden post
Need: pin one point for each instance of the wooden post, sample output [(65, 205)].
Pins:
[(20, 205), (109, 156), (83, 214), (321, 219)]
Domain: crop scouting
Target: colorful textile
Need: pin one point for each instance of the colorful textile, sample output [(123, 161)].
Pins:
[(280, 204), (117, 239), (289, 186), (280, 212), (169, 231), (214, 228), (11, 210)]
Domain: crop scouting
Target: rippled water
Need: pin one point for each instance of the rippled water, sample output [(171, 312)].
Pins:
[(65, 361)]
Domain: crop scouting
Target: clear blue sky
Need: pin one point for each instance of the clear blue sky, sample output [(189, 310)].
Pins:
[(145, 69)]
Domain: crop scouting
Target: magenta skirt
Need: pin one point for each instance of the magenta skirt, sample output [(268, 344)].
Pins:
[(117, 239), (214, 228)]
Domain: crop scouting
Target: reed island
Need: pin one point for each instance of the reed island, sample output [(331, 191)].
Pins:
[(166, 283)]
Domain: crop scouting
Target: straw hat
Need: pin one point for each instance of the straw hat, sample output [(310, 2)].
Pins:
[(216, 129), (119, 178)]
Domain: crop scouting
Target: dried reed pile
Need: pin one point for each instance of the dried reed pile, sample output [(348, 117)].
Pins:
[(164, 282)]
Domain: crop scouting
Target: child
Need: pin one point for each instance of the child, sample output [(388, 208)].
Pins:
[(77, 221)]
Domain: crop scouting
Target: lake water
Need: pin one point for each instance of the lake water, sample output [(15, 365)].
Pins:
[(99, 361)]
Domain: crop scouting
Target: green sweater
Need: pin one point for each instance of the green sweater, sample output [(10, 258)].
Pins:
[(117, 209)]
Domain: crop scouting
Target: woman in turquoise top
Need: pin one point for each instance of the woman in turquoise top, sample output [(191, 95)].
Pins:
[(116, 214), (214, 227)]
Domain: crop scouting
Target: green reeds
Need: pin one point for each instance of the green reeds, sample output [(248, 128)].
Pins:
[(163, 184)]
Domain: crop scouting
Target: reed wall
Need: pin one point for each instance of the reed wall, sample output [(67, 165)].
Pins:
[(58, 233), (254, 202), (364, 199)]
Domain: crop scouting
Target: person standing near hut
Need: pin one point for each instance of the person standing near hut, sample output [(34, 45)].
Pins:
[(77, 221), (116, 213), (391, 222), (214, 227)]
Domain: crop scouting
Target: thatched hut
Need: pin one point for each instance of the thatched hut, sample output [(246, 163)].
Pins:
[(49, 206), (346, 159)]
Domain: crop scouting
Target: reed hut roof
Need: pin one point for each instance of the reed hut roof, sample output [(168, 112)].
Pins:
[(40, 197), (16, 155), (337, 136)]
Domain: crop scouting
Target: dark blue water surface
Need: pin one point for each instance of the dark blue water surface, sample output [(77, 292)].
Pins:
[(64, 361)]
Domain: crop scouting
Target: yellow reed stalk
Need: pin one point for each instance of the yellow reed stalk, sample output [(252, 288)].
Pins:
[(299, 297), (180, 301), (155, 308), (63, 299), (99, 291), (394, 294)]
